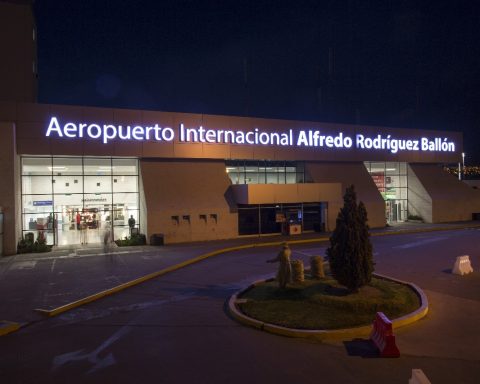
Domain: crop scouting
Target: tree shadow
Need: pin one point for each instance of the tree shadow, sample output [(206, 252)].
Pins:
[(337, 291), (362, 348)]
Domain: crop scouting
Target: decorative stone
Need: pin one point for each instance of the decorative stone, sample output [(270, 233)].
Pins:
[(298, 275)]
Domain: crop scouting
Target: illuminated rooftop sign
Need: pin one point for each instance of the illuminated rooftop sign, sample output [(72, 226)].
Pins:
[(306, 138)]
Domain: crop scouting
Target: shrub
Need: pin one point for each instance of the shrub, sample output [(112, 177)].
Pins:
[(137, 239), (414, 217), (350, 251), (27, 245)]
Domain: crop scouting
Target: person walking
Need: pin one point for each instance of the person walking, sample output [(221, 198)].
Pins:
[(107, 237)]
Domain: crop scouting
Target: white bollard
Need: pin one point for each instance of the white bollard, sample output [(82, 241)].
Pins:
[(462, 265), (418, 377)]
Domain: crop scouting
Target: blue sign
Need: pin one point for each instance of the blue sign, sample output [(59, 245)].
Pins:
[(41, 203)]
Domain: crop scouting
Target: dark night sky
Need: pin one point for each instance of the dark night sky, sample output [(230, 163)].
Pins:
[(413, 64)]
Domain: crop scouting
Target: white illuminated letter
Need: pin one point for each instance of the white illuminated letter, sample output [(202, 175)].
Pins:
[(106, 129), (302, 139), (70, 127), (54, 126), (138, 133), (94, 126), (168, 134)]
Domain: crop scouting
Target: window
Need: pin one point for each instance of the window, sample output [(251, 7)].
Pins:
[(392, 183), (57, 191), (265, 172)]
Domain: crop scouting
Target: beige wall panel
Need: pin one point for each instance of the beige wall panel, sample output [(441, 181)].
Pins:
[(65, 113), (309, 192), (452, 200), (127, 117), (238, 123), (282, 155), (33, 147), (97, 148), (98, 115), (32, 112), (241, 152), (261, 194), (66, 147), (130, 148), (286, 194), (164, 119), (191, 188), (31, 130), (216, 151), (215, 122), (332, 214), (264, 152), (9, 188), (150, 149), (189, 120), (188, 150)]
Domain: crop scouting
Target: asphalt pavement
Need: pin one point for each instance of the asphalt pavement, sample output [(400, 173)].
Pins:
[(179, 331)]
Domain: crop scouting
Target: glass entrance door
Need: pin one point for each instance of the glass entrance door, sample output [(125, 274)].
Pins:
[(395, 210)]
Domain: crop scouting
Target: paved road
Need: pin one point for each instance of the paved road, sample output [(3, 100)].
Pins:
[(175, 330)]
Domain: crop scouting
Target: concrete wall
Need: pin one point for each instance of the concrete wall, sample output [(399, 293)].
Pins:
[(451, 199), (188, 188), (18, 52), (9, 188), (348, 174), (419, 201)]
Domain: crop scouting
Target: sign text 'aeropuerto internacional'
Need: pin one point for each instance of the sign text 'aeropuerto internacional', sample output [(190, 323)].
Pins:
[(307, 138)]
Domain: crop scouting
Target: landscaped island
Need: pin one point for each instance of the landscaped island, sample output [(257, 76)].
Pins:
[(325, 304)]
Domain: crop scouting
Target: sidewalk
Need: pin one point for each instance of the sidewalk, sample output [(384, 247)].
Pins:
[(49, 280)]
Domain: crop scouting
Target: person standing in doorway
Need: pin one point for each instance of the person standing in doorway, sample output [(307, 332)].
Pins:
[(78, 219), (131, 223)]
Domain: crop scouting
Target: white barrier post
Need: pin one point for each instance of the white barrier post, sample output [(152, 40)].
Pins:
[(418, 377), (462, 265)]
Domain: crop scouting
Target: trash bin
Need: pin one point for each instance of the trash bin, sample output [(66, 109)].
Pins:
[(156, 239)]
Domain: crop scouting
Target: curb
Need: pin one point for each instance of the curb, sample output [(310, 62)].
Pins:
[(7, 327), (121, 287), (321, 334)]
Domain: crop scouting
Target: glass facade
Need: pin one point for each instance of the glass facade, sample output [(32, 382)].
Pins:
[(265, 172), (275, 218), (74, 200), (392, 182)]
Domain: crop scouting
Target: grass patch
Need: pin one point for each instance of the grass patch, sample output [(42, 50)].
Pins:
[(324, 304)]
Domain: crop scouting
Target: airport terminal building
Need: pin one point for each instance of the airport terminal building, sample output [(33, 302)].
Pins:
[(193, 177)]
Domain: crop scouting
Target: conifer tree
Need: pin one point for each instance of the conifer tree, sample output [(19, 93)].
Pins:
[(350, 251)]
